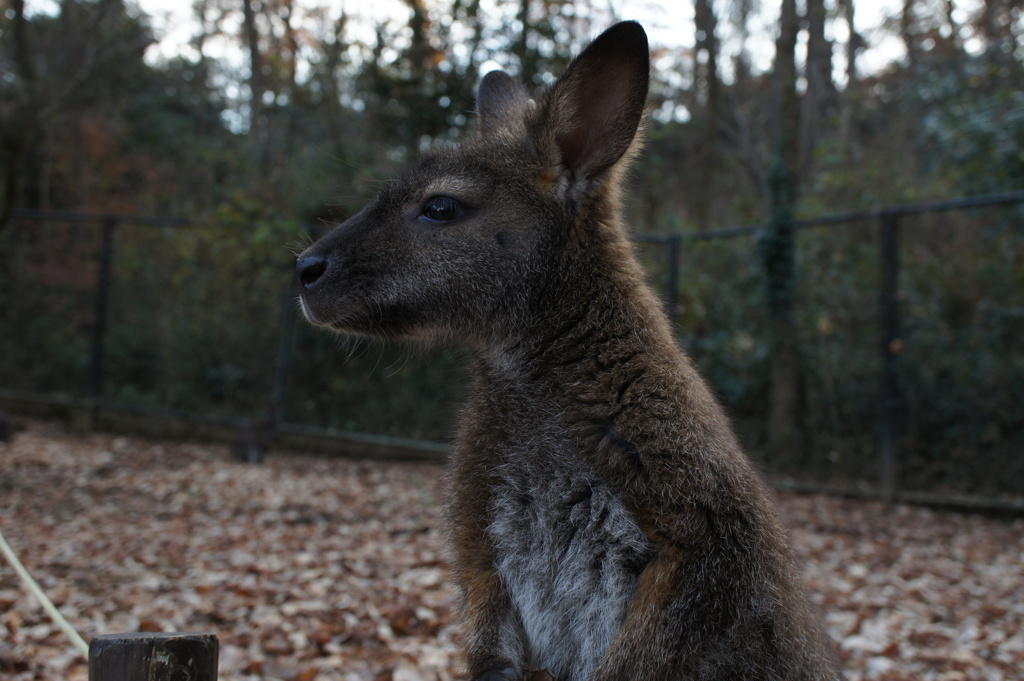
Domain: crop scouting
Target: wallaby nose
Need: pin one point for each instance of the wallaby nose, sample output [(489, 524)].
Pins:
[(309, 270)]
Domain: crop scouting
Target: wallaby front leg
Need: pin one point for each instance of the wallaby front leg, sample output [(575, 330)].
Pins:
[(490, 626), (645, 646), (717, 624), (493, 632)]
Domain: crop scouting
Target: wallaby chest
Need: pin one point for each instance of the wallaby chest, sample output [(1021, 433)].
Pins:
[(564, 544)]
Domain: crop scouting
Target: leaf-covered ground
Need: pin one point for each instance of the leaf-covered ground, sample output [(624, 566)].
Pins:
[(308, 568)]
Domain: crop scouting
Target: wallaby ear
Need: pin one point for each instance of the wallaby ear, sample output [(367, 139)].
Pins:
[(599, 101), (501, 102)]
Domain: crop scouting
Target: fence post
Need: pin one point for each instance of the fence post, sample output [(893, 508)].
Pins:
[(99, 328), (283, 360), (153, 657), (672, 295), (891, 346)]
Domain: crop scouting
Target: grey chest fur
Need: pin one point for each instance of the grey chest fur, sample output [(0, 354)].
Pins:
[(570, 555)]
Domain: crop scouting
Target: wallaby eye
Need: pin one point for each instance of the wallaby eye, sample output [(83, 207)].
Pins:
[(442, 209)]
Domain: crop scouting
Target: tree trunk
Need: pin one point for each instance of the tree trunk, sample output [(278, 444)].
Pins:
[(706, 85), (908, 33), (252, 37), (18, 129), (473, 17), (954, 26), (521, 48), (778, 253), (14, 134), (820, 90), (334, 54), (296, 95), (420, 52), (850, 98), (741, 62)]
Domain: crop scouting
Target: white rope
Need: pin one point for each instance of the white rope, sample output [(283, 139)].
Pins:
[(48, 605)]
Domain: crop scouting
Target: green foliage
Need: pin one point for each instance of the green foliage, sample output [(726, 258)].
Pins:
[(195, 312), (963, 374), (961, 371), (977, 131)]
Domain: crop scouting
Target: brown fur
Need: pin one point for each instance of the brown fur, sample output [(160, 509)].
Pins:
[(604, 522)]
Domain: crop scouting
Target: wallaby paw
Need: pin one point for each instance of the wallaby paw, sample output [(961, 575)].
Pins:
[(539, 675), (499, 674)]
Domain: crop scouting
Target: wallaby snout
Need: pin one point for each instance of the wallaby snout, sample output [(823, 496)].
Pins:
[(308, 271)]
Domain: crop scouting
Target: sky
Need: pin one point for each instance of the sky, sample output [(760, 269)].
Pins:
[(669, 24)]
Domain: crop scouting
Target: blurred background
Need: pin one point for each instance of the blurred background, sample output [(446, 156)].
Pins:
[(829, 202)]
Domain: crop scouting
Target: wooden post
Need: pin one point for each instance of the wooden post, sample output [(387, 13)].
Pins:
[(153, 657), (891, 346)]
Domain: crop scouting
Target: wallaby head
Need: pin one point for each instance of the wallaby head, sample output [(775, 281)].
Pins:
[(471, 241)]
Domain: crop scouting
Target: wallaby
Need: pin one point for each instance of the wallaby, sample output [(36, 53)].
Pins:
[(603, 521)]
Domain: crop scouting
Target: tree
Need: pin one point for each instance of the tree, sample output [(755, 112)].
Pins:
[(909, 33), (545, 35), (706, 114), (778, 249), (848, 104), (252, 40), (19, 112), (51, 63), (820, 93), (424, 91)]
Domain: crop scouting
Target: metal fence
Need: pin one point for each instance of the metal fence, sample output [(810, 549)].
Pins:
[(168, 316), (888, 221)]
